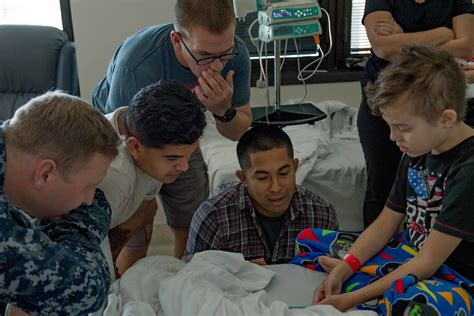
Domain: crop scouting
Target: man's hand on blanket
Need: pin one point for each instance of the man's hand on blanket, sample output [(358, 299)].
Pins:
[(259, 261)]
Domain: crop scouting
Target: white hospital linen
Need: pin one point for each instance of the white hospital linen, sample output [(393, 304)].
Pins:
[(214, 283), (223, 283)]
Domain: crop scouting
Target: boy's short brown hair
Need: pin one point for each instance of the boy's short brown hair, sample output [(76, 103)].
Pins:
[(63, 128), (212, 15), (428, 76)]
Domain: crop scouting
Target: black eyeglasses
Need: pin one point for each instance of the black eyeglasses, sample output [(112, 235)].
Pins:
[(209, 60)]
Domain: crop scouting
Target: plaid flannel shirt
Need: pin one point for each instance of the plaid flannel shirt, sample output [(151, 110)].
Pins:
[(228, 222)]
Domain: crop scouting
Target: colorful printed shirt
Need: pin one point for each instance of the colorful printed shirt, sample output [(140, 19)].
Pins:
[(436, 192), (53, 267), (229, 222)]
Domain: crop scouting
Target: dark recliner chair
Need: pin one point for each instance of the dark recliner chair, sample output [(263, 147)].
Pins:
[(34, 59)]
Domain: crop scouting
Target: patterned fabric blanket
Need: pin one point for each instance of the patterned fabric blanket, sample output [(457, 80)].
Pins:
[(446, 293)]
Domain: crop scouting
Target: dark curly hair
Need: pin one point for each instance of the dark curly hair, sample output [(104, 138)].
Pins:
[(165, 113)]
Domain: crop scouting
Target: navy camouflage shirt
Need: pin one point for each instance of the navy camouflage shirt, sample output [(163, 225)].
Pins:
[(53, 267)]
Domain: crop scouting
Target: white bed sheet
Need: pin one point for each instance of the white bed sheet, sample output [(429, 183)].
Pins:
[(216, 283), (332, 164), (341, 179)]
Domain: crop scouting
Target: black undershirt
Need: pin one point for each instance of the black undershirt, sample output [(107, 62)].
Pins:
[(271, 228)]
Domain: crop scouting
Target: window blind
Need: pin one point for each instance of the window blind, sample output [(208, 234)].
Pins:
[(359, 41)]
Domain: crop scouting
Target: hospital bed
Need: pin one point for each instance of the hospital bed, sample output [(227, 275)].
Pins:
[(219, 283), (216, 283)]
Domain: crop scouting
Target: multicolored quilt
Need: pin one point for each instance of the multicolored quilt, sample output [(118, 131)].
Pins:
[(446, 293)]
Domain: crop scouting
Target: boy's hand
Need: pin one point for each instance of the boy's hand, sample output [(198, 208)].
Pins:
[(215, 92), (387, 26), (341, 302), (328, 263), (331, 285)]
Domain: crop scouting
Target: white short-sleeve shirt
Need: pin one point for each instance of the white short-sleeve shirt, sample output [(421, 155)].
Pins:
[(125, 185)]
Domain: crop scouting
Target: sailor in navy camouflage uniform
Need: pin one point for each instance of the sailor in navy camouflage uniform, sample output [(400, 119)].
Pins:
[(54, 266)]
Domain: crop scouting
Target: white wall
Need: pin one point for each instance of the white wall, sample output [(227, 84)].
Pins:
[(347, 92), (101, 25)]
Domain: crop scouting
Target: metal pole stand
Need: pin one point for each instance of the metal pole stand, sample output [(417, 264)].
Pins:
[(293, 114)]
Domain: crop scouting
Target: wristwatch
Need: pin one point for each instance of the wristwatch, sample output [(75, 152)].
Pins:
[(228, 115)]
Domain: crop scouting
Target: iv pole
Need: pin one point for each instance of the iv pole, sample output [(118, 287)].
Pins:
[(277, 73), (294, 114), (299, 113)]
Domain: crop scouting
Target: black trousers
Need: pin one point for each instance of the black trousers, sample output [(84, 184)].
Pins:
[(382, 157)]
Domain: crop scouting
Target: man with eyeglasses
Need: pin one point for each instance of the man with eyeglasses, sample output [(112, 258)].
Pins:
[(200, 50)]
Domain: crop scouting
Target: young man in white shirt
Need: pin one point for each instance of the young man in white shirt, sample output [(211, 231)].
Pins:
[(160, 130)]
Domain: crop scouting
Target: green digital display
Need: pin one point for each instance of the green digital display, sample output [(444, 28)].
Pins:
[(284, 30)]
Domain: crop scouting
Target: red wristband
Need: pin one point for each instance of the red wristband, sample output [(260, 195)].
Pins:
[(352, 261)]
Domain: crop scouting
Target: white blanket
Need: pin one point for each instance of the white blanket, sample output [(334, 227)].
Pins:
[(212, 283)]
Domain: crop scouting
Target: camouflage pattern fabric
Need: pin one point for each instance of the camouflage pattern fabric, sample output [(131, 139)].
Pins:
[(53, 267)]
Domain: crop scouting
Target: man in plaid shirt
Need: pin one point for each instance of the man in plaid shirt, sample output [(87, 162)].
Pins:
[(261, 216)]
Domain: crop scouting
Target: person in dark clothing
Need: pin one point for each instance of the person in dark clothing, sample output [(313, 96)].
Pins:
[(390, 24)]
